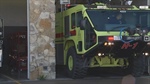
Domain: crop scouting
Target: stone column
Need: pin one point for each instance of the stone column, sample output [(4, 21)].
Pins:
[(42, 35)]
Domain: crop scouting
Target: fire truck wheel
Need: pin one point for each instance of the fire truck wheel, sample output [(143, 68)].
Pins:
[(74, 65), (138, 66)]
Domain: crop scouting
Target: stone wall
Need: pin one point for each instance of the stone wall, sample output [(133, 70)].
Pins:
[(42, 35)]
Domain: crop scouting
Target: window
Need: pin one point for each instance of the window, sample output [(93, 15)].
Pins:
[(102, 19), (90, 36), (66, 26), (73, 19), (79, 18)]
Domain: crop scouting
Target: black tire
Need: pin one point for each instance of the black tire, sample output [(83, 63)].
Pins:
[(77, 70), (137, 66)]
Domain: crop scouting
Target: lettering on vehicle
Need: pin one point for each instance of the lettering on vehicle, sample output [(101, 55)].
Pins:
[(129, 45)]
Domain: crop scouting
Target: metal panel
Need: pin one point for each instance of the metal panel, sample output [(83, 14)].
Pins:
[(28, 38), (64, 1)]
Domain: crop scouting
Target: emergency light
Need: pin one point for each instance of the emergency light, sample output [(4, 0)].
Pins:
[(144, 7)]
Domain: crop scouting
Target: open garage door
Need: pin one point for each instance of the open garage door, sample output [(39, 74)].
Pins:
[(14, 60)]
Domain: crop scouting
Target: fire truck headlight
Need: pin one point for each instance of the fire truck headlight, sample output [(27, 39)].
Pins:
[(108, 43), (105, 44), (100, 54), (146, 54)]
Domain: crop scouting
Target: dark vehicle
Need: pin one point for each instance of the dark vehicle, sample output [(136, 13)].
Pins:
[(18, 51)]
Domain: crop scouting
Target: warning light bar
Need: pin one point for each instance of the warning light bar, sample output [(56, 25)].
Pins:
[(144, 7), (101, 7)]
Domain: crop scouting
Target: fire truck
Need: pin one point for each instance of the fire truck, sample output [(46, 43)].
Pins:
[(91, 35), (1, 40), (17, 60)]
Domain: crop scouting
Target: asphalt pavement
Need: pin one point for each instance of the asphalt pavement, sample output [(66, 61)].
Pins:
[(92, 78), (118, 80), (89, 80)]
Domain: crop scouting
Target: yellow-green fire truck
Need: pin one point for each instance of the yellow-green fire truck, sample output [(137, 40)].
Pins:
[(90, 36)]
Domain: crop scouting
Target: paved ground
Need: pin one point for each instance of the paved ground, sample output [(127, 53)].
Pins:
[(94, 80)]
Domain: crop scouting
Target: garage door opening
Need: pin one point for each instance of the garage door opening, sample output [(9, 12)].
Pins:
[(14, 58)]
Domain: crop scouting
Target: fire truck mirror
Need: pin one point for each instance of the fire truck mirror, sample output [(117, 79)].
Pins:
[(83, 23)]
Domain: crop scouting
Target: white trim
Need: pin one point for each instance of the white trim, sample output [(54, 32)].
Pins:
[(64, 1), (28, 37)]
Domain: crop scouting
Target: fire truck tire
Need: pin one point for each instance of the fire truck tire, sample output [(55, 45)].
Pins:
[(74, 65), (138, 66)]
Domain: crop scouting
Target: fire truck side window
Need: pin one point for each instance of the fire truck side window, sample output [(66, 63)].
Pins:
[(73, 24), (79, 18), (66, 26), (90, 36)]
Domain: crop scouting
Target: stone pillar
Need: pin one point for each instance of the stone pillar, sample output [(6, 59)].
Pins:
[(42, 35)]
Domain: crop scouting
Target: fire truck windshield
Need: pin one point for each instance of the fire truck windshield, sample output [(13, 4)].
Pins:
[(104, 20)]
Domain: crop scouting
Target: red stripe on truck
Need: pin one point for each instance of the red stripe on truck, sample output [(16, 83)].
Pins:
[(73, 33), (59, 35)]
